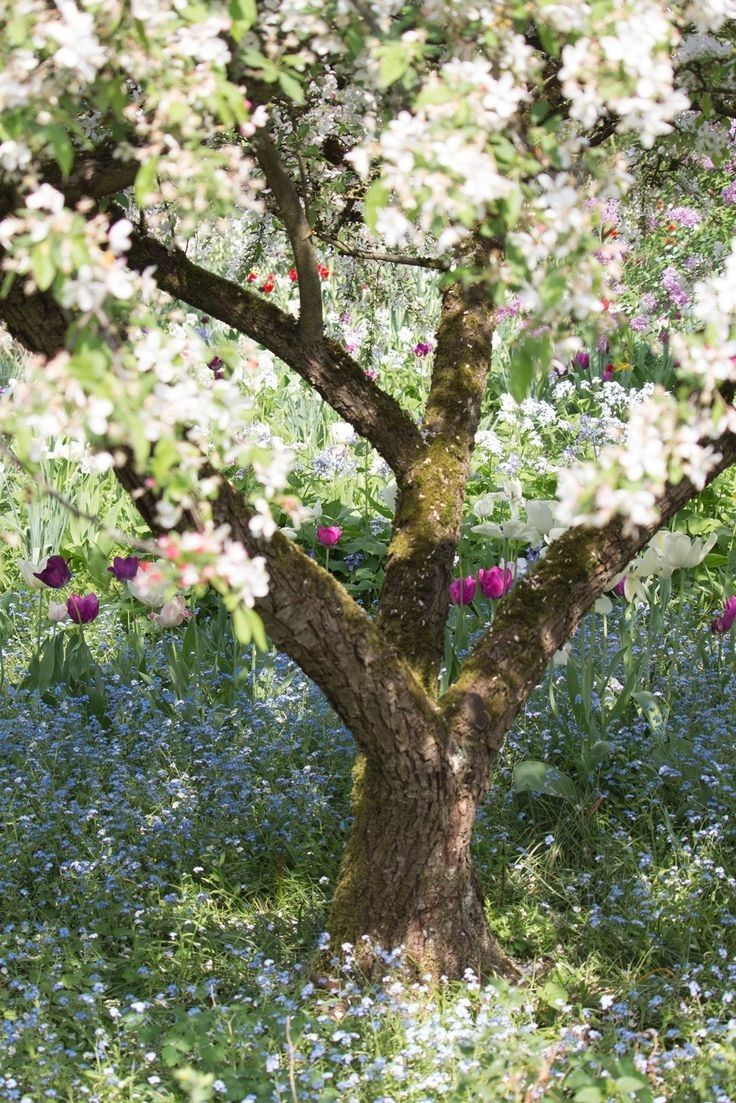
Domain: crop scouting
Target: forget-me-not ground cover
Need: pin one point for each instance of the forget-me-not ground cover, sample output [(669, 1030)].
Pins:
[(166, 870)]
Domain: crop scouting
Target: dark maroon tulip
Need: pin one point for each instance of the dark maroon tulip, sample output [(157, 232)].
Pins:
[(82, 610), (56, 573), (124, 567)]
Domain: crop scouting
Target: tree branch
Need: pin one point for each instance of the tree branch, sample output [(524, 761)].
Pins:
[(311, 322), (441, 264), (543, 611), (415, 594), (328, 368)]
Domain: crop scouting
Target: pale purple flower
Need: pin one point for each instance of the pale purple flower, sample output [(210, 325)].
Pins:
[(672, 284), (683, 216)]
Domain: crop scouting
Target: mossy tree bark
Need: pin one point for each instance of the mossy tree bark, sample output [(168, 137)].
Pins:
[(423, 763)]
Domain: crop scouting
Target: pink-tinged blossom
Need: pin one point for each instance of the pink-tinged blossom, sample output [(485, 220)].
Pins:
[(422, 348), (495, 582), (728, 195), (57, 611), (172, 613), (462, 590), (124, 567), (328, 535), (56, 573), (648, 302), (639, 323), (82, 610), (724, 622), (151, 584)]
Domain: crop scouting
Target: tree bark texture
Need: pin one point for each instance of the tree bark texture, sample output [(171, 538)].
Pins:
[(407, 878)]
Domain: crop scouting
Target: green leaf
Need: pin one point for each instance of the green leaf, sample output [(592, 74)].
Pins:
[(243, 14), (521, 373), (42, 266), (590, 1094), (292, 87), (247, 626), (376, 198), (395, 61), (629, 1084), (63, 149), (538, 777), (145, 181), (554, 995)]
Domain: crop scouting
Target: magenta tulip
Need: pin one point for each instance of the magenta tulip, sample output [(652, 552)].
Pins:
[(496, 582), (124, 567), (328, 535), (724, 622), (620, 588), (55, 574), (582, 360), (82, 610), (462, 590)]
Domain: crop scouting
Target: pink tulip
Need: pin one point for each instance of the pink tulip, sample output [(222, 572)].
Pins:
[(172, 613), (496, 582), (328, 535), (462, 590)]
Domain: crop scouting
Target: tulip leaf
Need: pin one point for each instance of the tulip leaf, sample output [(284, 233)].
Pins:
[(538, 777)]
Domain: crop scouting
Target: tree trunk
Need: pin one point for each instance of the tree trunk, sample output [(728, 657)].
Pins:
[(407, 878)]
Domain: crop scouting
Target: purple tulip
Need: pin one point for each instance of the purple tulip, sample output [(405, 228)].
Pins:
[(124, 567), (422, 348), (328, 535), (56, 573), (620, 588), (723, 623), (582, 360), (82, 610), (496, 582), (462, 590)]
